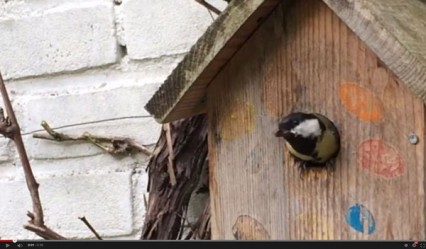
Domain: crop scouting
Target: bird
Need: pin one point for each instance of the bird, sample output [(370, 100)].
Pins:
[(311, 138)]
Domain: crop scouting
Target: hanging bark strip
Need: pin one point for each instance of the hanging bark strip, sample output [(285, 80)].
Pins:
[(167, 203)]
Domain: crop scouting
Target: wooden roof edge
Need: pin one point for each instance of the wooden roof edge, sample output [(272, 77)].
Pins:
[(228, 25), (392, 29), (395, 31)]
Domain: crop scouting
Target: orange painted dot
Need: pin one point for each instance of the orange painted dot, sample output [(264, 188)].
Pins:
[(361, 102), (380, 158), (248, 228)]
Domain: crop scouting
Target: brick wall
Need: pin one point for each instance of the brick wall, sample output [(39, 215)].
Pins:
[(87, 65)]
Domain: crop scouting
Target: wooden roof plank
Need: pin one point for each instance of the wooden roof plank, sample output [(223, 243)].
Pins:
[(239, 21), (395, 31)]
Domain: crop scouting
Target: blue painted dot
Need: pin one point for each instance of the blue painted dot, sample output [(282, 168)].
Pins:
[(359, 217)]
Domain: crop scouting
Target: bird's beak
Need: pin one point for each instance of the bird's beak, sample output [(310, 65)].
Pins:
[(279, 133)]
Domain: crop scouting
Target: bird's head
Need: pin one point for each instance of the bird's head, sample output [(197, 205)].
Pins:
[(298, 124)]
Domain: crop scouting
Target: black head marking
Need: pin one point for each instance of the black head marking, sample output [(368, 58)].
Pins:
[(303, 144), (292, 120)]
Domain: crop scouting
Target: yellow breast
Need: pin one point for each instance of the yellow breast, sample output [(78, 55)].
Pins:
[(297, 154)]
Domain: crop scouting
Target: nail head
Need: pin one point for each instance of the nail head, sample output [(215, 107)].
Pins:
[(413, 138)]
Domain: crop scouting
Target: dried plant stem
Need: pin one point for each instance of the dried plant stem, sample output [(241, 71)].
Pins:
[(170, 168), (112, 145), (86, 222), (209, 6)]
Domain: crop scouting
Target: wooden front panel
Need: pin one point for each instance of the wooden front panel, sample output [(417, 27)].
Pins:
[(303, 58)]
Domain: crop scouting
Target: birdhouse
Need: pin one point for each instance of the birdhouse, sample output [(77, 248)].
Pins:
[(360, 63)]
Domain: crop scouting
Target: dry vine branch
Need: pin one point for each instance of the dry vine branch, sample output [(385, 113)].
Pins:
[(171, 156), (86, 222), (9, 127), (112, 145), (209, 6)]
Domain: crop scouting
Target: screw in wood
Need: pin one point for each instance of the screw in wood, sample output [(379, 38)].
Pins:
[(413, 138)]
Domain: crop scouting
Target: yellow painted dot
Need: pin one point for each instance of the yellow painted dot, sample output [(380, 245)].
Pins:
[(237, 120), (314, 226)]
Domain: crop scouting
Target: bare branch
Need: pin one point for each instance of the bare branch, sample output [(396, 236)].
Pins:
[(209, 6), (170, 168), (145, 201), (6, 128), (184, 218), (9, 127), (57, 136), (112, 145), (154, 226), (44, 232), (85, 221)]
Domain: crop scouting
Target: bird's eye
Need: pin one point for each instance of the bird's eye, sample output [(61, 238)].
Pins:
[(295, 122)]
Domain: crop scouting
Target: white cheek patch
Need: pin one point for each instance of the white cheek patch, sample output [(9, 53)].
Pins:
[(308, 128)]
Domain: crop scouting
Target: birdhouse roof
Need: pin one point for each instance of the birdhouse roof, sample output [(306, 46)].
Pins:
[(393, 29)]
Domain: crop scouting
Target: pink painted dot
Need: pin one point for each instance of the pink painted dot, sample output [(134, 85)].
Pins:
[(380, 158)]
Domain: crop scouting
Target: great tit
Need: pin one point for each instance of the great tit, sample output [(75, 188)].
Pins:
[(311, 138)]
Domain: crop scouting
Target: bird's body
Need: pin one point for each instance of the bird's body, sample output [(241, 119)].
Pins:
[(311, 138)]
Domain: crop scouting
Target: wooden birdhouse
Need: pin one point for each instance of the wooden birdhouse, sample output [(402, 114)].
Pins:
[(360, 63)]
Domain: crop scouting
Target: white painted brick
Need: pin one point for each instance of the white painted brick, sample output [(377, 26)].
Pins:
[(60, 39), (86, 107), (152, 70), (162, 27), (84, 165), (135, 236), (10, 171), (145, 131), (140, 183), (6, 149), (15, 203), (19, 8), (62, 65), (103, 198), (127, 74)]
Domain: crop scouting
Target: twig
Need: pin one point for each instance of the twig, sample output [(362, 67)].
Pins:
[(189, 235), (171, 156), (202, 225), (44, 232), (183, 219), (85, 221), (10, 128), (14, 133), (145, 201), (154, 226), (209, 6), (117, 145)]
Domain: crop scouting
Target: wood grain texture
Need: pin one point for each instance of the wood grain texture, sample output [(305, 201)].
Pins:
[(304, 58), (182, 94), (395, 31)]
